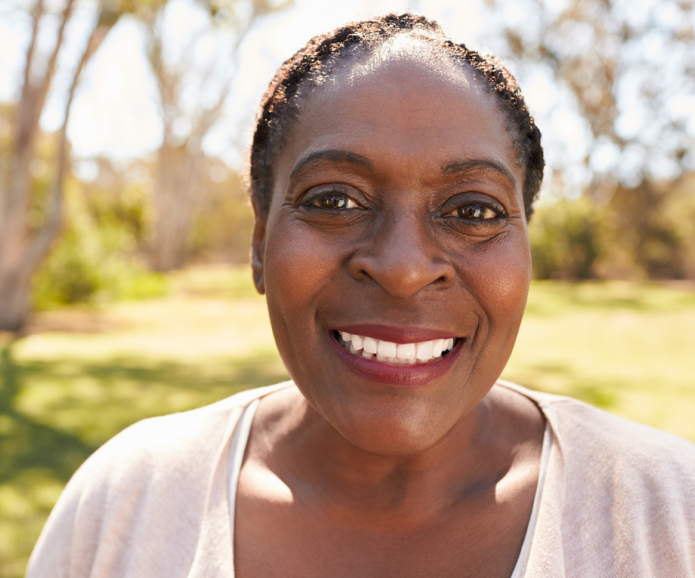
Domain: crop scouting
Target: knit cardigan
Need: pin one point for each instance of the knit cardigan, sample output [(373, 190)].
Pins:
[(618, 500)]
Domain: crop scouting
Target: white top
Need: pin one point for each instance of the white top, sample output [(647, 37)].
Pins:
[(241, 437), (522, 561)]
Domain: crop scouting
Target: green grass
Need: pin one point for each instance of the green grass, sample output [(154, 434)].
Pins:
[(87, 373), (627, 348)]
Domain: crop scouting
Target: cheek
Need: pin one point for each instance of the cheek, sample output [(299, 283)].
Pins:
[(297, 267), (503, 280), (500, 277)]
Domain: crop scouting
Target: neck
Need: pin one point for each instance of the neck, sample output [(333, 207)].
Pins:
[(326, 471)]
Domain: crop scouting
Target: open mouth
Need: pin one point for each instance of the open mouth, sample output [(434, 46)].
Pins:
[(423, 352)]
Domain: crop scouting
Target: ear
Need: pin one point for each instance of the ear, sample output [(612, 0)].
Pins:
[(258, 250)]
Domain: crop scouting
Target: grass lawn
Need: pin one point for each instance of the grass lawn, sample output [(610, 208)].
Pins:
[(85, 374)]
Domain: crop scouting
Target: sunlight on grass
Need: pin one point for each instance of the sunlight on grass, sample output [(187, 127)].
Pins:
[(87, 373), (627, 348)]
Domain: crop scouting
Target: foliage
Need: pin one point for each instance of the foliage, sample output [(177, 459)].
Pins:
[(223, 229), (623, 73), (94, 260), (626, 69), (645, 232), (566, 240), (652, 227)]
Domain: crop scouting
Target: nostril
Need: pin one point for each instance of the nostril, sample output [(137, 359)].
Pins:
[(402, 278), (402, 260)]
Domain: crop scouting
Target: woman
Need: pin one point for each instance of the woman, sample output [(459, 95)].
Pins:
[(392, 177)]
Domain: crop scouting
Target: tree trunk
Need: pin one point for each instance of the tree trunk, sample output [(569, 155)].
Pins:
[(14, 299), (180, 184), (178, 195), (20, 253)]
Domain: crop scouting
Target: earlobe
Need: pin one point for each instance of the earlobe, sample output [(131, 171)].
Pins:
[(257, 249), (258, 281)]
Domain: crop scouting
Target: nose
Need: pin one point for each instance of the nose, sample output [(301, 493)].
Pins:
[(403, 257)]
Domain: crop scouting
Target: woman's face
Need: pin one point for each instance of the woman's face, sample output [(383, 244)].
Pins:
[(397, 217)]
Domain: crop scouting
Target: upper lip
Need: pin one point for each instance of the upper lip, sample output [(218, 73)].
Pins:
[(396, 334)]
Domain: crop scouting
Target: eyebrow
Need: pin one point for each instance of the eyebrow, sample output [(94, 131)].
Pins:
[(485, 165), (333, 155)]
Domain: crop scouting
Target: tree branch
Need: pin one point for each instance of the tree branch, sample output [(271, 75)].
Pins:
[(28, 90), (33, 100), (52, 224)]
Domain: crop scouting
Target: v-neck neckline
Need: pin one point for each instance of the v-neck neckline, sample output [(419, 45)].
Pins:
[(237, 449)]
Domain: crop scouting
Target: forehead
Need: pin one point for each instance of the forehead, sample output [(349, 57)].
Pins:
[(402, 112)]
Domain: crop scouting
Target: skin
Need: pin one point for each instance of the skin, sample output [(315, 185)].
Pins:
[(397, 200)]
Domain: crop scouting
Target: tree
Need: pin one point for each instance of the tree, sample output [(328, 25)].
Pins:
[(628, 69), (22, 249), (193, 95)]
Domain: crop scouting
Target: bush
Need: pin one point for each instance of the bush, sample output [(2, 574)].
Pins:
[(93, 261), (566, 240)]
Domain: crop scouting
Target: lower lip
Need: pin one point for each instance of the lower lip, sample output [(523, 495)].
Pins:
[(412, 375)]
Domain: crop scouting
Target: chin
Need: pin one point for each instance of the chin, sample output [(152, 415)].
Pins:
[(405, 430)]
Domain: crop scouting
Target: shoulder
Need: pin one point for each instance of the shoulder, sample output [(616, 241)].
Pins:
[(151, 479), (622, 465), (583, 430), (618, 495), (165, 442)]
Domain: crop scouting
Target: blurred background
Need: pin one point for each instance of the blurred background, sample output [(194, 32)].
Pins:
[(125, 290)]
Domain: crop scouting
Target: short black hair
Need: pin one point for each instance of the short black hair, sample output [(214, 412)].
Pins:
[(324, 54)]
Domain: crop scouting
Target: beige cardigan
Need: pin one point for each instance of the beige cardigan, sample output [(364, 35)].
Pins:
[(618, 501)]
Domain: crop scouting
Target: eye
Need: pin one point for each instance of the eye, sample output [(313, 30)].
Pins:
[(332, 201), (476, 212)]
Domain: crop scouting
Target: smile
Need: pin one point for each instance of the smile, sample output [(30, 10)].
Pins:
[(394, 353), (396, 356)]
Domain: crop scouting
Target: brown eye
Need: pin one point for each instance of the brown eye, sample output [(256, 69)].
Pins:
[(334, 202), (476, 213)]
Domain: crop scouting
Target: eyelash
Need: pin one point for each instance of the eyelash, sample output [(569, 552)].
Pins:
[(311, 203), (334, 193), (498, 211)]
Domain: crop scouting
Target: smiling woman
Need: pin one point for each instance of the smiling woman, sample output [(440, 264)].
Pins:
[(392, 176)]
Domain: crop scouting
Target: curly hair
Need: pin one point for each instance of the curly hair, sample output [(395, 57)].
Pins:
[(324, 54)]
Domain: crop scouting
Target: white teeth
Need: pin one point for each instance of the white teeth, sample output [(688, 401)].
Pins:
[(386, 349), (396, 354), (370, 345), (406, 351), (424, 350), (437, 347)]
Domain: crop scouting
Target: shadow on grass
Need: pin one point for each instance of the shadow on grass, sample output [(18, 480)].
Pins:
[(54, 414), (26, 443)]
